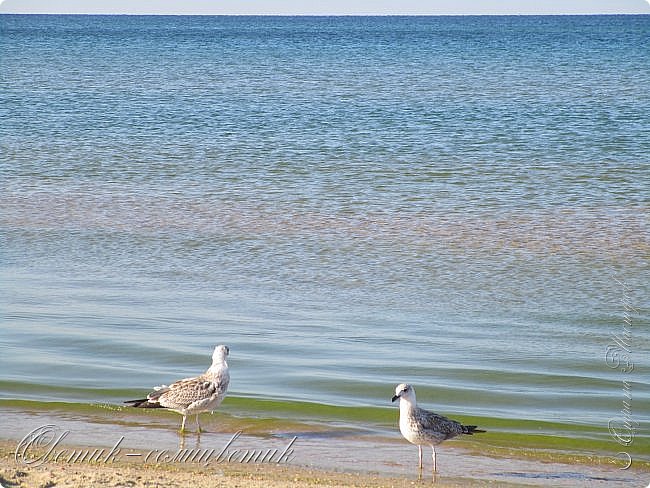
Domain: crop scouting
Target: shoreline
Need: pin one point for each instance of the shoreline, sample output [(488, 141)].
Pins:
[(123, 473), (148, 446)]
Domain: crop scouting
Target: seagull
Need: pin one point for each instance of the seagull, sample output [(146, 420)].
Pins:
[(421, 427), (189, 396)]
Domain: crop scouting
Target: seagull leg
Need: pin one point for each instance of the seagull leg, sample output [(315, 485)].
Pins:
[(433, 456), (183, 424), (198, 425), (420, 462)]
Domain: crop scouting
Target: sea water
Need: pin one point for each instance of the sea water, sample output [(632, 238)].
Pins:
[(347, 202)]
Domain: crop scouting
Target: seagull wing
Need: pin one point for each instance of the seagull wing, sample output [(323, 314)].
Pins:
[(183, 393), (434, 422)]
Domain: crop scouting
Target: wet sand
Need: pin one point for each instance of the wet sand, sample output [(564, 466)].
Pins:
[(146, 451)]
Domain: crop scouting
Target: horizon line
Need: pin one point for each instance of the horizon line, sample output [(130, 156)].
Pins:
[(574, 14)]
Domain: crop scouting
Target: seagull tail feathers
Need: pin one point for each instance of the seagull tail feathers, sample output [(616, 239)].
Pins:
[(471, 429), (143, 403)]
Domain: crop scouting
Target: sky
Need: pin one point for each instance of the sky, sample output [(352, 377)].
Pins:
[(328, 7)]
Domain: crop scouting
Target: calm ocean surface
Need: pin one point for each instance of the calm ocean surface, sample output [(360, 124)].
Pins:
[(457, 202)]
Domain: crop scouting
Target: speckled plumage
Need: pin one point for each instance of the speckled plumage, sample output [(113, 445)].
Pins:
[(421, 427), (194, 395)]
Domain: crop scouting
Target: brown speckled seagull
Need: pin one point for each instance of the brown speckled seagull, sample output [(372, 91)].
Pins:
[(421, 427), (190, 396)]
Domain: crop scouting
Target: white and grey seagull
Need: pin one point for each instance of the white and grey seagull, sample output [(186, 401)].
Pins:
[(194, 395), (421, 427)]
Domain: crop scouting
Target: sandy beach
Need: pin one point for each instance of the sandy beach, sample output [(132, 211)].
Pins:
[(179, 475), (58, 448), (121, 473)]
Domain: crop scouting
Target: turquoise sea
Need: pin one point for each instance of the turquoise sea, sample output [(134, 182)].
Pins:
[(461, 203)]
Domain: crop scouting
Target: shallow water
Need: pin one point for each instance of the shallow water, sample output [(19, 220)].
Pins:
[(150, 437), (348, 203)]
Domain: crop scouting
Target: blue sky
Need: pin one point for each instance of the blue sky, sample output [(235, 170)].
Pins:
[(328, 7)]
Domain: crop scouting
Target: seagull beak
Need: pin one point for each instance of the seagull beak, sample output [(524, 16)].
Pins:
[(395, 398)]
